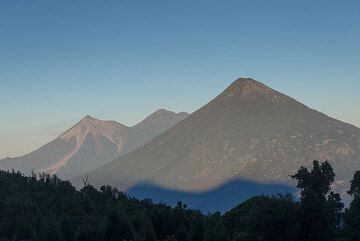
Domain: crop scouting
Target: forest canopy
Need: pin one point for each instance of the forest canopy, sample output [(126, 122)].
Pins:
[(43, 207)]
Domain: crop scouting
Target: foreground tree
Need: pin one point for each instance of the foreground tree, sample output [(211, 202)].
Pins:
[(215, 229), (118, 226), (270, 218), (352, 214), (355, 185), (43, 207), (318, 215)]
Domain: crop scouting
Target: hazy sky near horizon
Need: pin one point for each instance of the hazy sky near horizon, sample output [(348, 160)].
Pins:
[(122, 60)]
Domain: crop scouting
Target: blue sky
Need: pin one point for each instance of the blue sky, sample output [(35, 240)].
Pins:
[(122, 60)]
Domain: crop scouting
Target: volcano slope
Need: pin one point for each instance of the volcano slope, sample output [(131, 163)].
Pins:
[(249, 131)]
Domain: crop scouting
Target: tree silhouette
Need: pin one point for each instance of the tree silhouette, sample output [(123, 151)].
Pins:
[(43, 207), (318, 216), (352, 214)]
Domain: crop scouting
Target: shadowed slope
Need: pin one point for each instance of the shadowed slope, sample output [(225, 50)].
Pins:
[(220, 199)]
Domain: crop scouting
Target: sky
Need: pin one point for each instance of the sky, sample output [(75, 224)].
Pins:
[(123, 59)]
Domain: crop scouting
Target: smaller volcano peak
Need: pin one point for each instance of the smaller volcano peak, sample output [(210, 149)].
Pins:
[(88, 118), (95, 127), (86, 125), (161, 111)]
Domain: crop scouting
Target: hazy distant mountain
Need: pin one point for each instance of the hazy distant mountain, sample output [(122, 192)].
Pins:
[(84, 146), (89, 144), (150, 127), (249, 131)]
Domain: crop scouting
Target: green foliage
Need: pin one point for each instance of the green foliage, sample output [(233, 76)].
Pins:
[(43, 207), (352, 214), (318, 216), (355, 185), (89, 230), (181, 233), (214, 228), (118, 226), (264, 218), (317, 181)]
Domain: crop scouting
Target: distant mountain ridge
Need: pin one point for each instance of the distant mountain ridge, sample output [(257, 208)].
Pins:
[(249, 131), (150, 127), (91, 143)]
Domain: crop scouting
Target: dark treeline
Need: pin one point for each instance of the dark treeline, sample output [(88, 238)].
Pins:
[(43, 207)]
